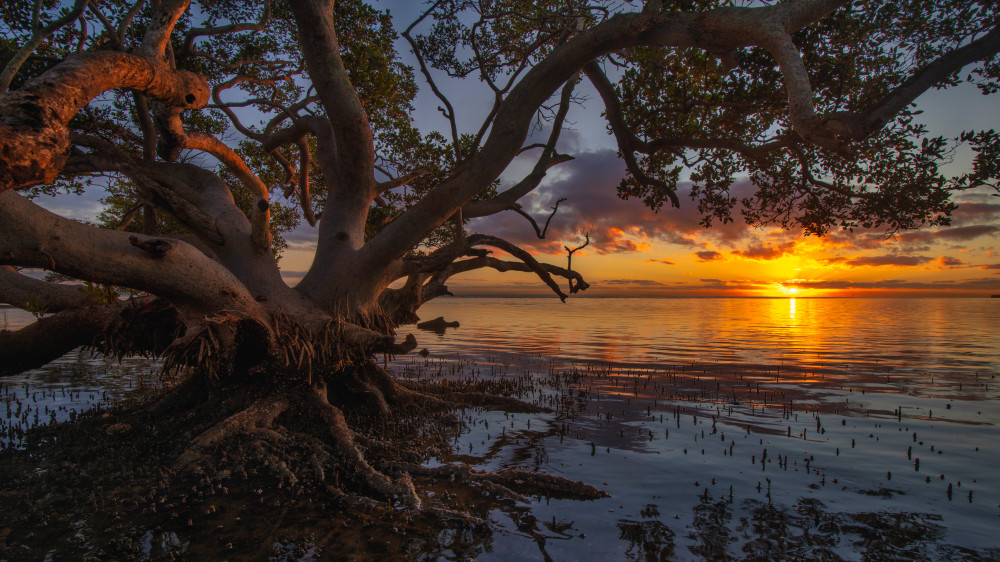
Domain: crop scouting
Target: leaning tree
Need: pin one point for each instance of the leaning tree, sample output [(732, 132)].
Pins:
[(215, 127)]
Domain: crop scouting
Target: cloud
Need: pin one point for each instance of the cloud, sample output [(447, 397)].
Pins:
[(643, 282), (879, 261), (975, 212), (948, 262), (766, 251), (614, 240), (959, 233), (663, 261), (616, 226), (918, 240), (985, 283), (292, 277), (302, 237), (990, 266), (708, 255)]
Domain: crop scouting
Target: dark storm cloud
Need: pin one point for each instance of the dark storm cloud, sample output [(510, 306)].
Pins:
[(589, 185), (972, 220)]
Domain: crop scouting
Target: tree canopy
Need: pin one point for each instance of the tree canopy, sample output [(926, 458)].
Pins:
[(216, 127)]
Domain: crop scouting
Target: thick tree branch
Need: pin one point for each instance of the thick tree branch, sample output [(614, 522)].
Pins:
[(33, 237), (34, 134), (209, 209), (801, 112), (577, 283), (156, 41), (629, 143), (305, 162), (724, 28), (145, 122), (528, 259), (321, 50), (261, 214), (17, 289), (326, 143), (875, 116), (548, 159), (54, 336)]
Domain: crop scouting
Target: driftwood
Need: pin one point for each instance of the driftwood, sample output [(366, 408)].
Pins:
[(438, 325)]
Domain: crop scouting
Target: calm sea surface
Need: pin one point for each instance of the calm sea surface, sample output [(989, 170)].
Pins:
[(742, 428), (722, 428)]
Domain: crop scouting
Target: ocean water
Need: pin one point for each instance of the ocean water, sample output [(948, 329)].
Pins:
[(722, 428), (739, 428), (74, 383)]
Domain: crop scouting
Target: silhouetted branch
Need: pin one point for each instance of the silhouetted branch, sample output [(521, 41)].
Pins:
[(540, 232), (569, 261), (521, 254)]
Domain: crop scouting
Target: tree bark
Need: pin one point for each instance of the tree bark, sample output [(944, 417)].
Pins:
[(53, 336), (34, 137)]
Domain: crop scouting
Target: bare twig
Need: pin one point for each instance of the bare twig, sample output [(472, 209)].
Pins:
[(540, 232)]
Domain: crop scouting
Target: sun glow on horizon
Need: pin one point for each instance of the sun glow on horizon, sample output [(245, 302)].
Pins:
[(791, 289)]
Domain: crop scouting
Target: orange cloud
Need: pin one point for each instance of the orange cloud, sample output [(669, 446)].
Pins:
[(948, 262), (613, 241)]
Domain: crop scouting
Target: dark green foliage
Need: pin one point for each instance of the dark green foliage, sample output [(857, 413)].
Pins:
[(855, 57)]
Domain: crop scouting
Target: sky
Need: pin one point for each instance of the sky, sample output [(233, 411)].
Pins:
[(635, 252)]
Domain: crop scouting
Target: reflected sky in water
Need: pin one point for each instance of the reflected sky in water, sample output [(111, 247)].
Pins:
[(727, 428), (917, 334)]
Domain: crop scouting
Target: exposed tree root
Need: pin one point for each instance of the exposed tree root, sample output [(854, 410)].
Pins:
[(297, 436), (344, 441), (256, 419), (502, 484), (451, 394), (268, 448)]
